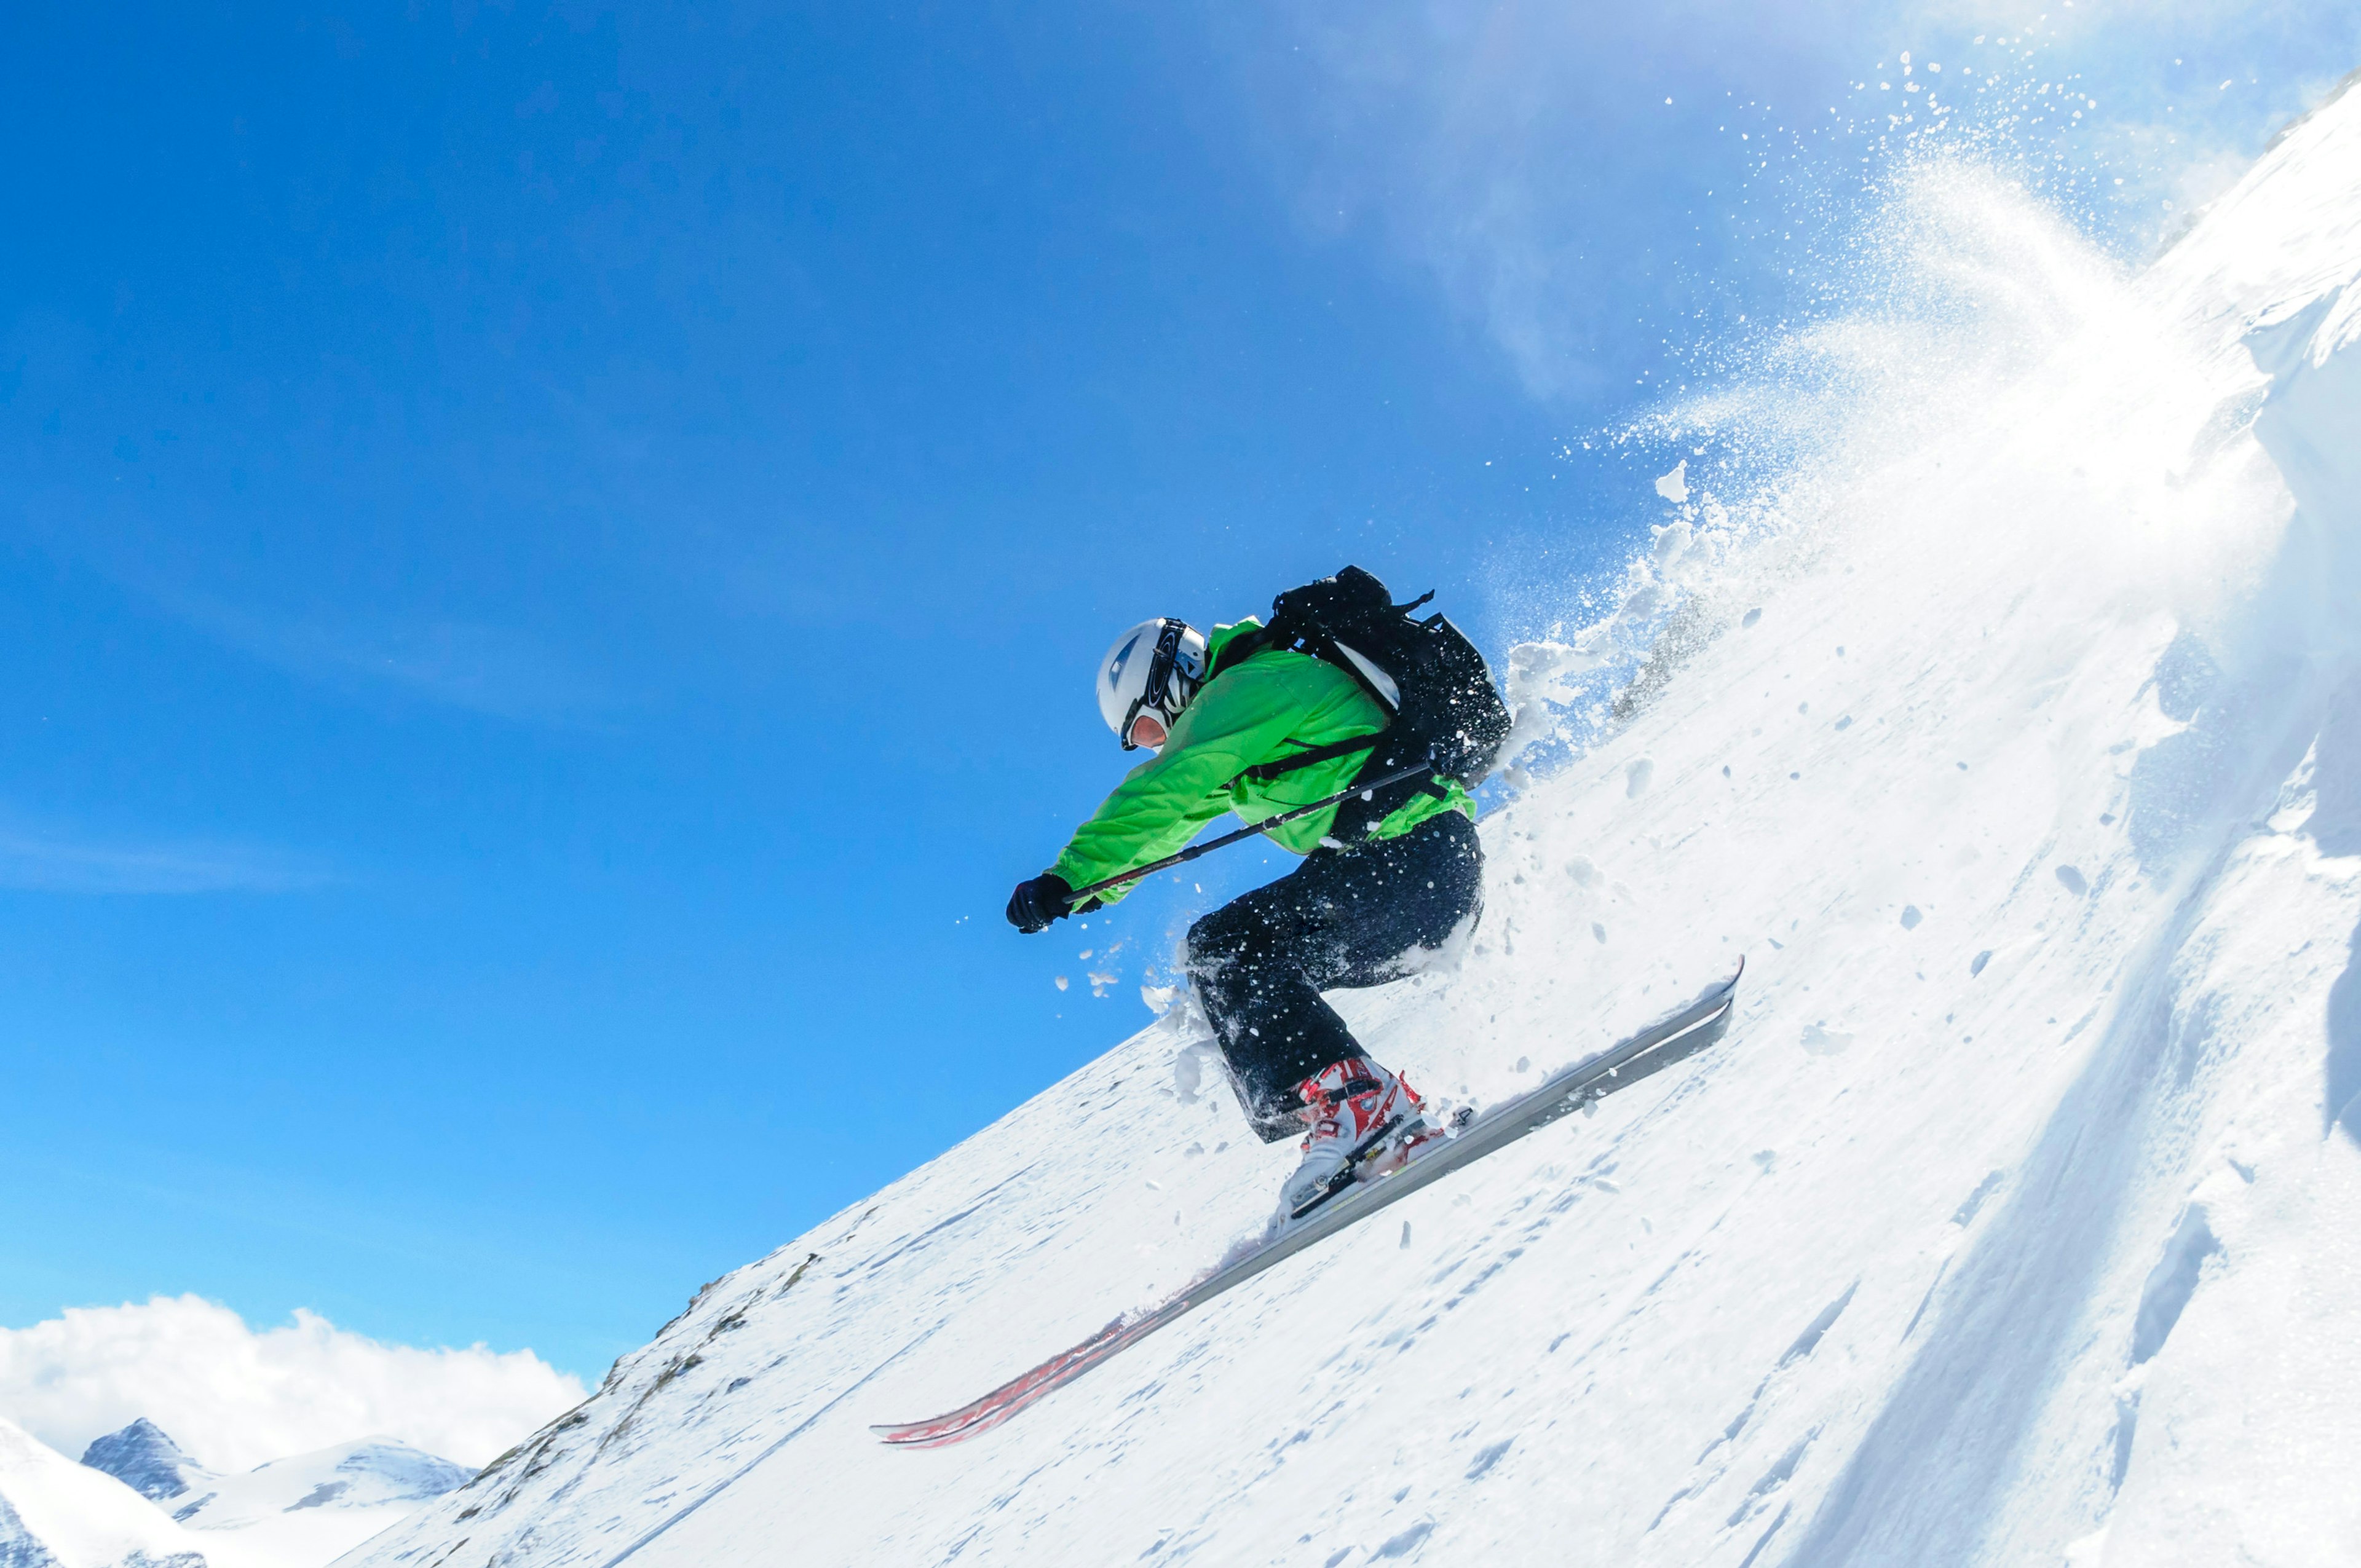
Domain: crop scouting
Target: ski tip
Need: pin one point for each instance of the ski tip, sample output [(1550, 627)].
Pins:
[(921, 1434), (944, 1432)]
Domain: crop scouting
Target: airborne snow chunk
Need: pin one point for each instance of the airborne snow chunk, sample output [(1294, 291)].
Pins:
[(1821, 1041)]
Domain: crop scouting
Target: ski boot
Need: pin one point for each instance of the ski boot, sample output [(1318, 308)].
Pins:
[(1365, 1123)]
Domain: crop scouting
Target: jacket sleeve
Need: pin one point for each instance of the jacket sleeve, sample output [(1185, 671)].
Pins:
[(1242, 717)]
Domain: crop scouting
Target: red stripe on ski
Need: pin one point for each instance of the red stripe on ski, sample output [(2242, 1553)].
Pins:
[(1020, 1392)]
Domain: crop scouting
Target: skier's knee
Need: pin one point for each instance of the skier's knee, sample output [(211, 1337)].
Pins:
[(1216, 941)]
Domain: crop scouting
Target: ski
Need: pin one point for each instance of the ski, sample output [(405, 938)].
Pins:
[(1671, 1038)]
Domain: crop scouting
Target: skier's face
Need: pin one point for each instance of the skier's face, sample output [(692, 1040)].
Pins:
[(1148, 730)]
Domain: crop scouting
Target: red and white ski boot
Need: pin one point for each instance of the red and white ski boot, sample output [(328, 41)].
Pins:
[(1365, 1123)]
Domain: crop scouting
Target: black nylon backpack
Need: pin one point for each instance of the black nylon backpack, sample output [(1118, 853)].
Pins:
[(1434, 686)]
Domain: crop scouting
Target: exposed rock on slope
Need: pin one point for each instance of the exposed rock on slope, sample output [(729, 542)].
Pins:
[(144, 1459)]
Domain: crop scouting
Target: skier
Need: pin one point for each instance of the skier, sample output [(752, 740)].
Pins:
[(1257, 720)]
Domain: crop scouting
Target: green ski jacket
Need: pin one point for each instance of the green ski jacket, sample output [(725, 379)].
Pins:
[(1271, 706)]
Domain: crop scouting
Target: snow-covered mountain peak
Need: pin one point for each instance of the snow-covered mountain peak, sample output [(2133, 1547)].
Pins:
[(144, 1459), (298, 1512), (2017, 746), (55, 1513), (387, 1470), (370, 1474), (305, 1510)]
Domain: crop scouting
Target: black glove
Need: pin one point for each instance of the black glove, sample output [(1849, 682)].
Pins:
[(1035, 904)]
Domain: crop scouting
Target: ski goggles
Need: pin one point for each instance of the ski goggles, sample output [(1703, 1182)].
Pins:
[(1154, 701)]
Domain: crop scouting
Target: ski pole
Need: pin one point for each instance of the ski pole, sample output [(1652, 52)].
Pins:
[(1210, 845)]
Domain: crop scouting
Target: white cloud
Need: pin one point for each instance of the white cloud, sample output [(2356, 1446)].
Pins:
[(483, 668), (52, 861), (1548, 166), (1466, 136), (234, 1398), (486, 669)]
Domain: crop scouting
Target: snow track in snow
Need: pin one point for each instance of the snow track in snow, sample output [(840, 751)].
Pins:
[(2024, 1230)]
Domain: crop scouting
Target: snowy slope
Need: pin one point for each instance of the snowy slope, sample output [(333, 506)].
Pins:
[(2011, 730), (55, 1513), (307, 1510)]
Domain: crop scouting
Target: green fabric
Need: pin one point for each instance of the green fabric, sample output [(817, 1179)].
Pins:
[(1272, 706)]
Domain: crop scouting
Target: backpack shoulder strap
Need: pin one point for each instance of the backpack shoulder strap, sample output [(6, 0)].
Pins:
[(1242, 647), (1238, 649)]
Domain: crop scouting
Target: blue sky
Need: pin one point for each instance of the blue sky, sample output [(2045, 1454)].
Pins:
[(551, 558)]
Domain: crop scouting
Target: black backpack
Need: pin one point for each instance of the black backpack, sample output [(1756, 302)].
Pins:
[(1434, 685)]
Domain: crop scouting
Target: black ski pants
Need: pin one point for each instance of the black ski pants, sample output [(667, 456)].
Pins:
[(1344, 918)]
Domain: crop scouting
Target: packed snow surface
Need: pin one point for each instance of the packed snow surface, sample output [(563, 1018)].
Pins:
[(55, 1513), (2014, 736)]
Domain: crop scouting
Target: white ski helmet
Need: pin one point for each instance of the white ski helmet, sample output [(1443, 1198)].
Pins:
[(1151, 674)]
